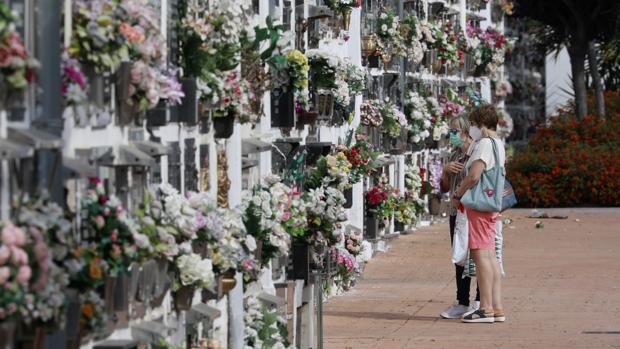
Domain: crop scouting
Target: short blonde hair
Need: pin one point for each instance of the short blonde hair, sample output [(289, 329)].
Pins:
[(461, 123)]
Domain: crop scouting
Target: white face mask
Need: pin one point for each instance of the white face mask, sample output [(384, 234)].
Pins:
[(475, 133)]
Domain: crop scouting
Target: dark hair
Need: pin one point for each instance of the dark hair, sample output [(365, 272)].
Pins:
[(485, 115)]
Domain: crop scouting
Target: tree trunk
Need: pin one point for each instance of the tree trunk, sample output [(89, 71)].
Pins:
[(596, 80), (577, 53)]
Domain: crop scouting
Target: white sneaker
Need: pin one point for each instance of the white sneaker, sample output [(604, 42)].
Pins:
[(473, 306), (454, 312)]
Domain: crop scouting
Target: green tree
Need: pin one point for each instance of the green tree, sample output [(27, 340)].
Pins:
[(577, 24)]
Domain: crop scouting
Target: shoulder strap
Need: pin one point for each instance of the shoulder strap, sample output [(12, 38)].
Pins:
[(497, 164)]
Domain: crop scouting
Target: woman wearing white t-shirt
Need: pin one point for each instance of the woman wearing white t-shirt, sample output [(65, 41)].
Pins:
[(484, 121)]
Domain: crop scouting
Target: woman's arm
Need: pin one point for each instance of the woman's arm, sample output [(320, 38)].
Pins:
[(444, 184), (451, 169), (472, 178)]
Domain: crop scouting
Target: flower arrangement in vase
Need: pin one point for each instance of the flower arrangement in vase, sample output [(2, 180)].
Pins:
[(267, 217), (330, 170), (488, 49), (108, 229), (393, 120), (356, 78), (15, 273), (344, 7), (97, 40), (449, 45), (370, 114), (210, 42), (347, 267), (382, 198), (150, 80), (17, 66), (74, 83), (389, 39), (264, 328), (407, 208), (360, 156), (414, 44), (325, 212), (420, 118)]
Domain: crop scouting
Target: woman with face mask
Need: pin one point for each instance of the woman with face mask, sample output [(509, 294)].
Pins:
[(453, 174), (482, 225)]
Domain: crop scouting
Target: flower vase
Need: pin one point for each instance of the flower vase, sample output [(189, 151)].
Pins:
[(162, 281), (31, 337), (134, 281), (372, 225), (183, 298), (121, 293), (348, 195), (282, 108), (307, 118), (398, 226), (434, 205), (228, 282), (109, 285), (300, 255), (224, 125), (157, 116), (127, 109), (325, 105), (7, 334), (346, 18), (188, 110), (479, 71), (369, 46), (331, 263), (258, 253), (373, 61), (96, 86), (215, 293), (73, 312)]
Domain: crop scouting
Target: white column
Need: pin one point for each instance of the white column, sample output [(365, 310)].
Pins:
[(235, 306), (4, 175)]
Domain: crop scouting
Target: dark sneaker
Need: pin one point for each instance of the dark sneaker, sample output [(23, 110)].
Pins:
[(479, 316)]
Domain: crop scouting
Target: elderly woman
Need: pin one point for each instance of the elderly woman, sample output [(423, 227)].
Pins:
[(484, 121), (453, 174)]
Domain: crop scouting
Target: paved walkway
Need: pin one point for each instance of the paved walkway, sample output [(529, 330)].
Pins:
[(562, 290)]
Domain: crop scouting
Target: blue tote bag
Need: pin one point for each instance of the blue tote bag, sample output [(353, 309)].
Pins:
[(487, 194)]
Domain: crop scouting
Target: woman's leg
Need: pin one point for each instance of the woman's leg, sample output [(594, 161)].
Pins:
[(485, 276), (497, 286)]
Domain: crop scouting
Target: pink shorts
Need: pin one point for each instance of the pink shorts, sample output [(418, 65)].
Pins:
[(481, 229)]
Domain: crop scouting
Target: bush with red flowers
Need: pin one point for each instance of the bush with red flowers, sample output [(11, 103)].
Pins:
[(571, 162)]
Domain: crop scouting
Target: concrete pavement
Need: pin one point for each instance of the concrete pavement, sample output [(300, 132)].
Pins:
[(562, 290)]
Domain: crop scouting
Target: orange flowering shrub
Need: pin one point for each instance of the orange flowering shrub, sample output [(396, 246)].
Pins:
[(571, 162)]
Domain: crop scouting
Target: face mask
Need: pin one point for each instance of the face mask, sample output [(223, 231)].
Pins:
[(475, 133), (455, 140)]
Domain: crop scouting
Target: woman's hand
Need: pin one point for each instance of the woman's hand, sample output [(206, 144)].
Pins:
[(454, 167), (456, 203)]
